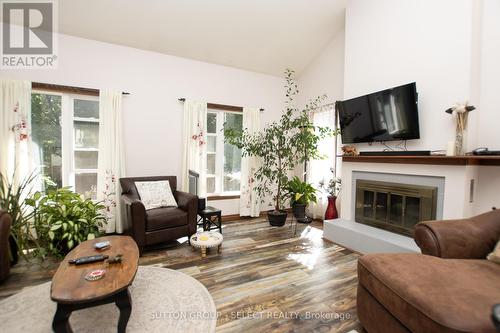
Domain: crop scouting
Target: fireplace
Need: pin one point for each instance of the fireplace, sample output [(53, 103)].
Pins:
[(393, 206)]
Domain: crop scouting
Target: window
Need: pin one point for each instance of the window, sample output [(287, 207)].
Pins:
[(223, 159), (65, 131)]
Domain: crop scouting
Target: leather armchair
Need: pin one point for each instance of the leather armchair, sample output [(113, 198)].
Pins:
[(450, 287), (159, 225), (5, 222), (471, 238)]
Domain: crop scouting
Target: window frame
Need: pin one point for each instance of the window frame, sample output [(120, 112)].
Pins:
[(219, 155), (67, 123)]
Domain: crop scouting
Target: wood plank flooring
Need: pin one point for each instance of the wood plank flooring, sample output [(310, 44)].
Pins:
[(264, 280)]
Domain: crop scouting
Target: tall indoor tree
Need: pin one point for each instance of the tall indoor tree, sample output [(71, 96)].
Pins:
[(281, 146)]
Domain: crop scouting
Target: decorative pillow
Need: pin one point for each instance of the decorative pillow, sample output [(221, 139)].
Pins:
[(495, 255), (156, 194)]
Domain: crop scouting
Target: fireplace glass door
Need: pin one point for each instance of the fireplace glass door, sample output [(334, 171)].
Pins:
[(394, 207)]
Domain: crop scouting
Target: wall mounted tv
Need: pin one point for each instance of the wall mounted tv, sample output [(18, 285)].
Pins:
[(387, 115)]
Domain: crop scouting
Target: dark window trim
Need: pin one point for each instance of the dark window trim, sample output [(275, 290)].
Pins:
[(224, 107), (223, 197)]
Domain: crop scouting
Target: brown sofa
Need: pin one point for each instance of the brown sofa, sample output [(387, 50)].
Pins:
[(450, 287), (5, 222), (160, 225)]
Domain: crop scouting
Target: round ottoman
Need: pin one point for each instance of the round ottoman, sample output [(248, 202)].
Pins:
[(205, 240)]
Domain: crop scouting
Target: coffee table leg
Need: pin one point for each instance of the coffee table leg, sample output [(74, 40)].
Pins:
[(203, 251), (218, 249), (124, 303), (60, 324)]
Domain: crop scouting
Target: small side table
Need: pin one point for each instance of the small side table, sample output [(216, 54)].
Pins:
[(206, 239), (210, 218)]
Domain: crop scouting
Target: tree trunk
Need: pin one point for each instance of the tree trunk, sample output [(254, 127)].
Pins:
[(277, 206)]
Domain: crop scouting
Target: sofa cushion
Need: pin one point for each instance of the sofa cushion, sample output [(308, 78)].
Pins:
[(161, 218), (430, 294)]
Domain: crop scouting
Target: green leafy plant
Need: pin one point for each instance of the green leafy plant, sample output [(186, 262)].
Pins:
[(64, 219), (300, 192), (281, 145), (12, 199)]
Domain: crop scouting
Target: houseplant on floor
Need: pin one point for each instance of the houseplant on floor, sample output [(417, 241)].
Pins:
[(281, 146), (12, 199), (64, 219), (300, 194)]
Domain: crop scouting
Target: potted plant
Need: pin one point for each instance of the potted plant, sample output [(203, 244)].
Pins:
[(333, 189), (300, 194), (12, 199), (281, 146), (64, 219)]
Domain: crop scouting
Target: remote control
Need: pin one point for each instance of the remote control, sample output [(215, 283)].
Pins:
[(89, 259), (102, 245)]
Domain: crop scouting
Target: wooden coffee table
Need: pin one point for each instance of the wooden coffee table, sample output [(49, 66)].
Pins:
[(72, 292)]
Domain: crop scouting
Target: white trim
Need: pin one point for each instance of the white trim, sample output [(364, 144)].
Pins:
[(68, 148), (219, 153)]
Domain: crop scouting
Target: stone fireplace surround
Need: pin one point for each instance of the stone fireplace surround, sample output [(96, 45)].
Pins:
[(455, 200)]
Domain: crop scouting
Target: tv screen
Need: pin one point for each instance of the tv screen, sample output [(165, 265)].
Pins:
[(387, 115)]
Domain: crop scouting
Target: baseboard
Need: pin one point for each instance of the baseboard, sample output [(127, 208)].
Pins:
[(237, 217)]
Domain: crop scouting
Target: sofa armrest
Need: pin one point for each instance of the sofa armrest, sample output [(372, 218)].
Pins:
[(189, 203), (471, 238), (5, 224), (135, 213)]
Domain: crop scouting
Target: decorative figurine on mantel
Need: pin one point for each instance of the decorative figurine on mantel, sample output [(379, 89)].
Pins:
[(461, 113), (349, 150)]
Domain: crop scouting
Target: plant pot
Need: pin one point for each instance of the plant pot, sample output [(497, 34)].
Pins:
[(14, 254), (299, 211), (331, 211), (277, 218)]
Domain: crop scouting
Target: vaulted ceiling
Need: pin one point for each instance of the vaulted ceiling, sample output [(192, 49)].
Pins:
[(265, 36)]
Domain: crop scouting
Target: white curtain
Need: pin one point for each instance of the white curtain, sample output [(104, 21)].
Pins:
[(15, 129), (111, 159), (194, 145), (319, 170), (249, 200)]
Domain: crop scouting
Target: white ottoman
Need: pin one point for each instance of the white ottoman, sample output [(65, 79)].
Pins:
[(205, 240)]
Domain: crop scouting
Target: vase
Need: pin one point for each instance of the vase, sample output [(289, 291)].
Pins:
[(331, 211), (460, 143), (461, 134)]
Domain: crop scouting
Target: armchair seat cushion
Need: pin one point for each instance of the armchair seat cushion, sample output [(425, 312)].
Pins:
[(168, 217), (429, 294)]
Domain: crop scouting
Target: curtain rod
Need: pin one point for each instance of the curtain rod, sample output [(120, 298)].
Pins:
[(67, 89), (221, 106)]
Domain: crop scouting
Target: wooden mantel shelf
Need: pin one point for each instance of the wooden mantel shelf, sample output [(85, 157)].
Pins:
[(439, 160)]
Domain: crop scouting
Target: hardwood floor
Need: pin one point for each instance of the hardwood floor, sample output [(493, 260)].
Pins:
[(264, 280)]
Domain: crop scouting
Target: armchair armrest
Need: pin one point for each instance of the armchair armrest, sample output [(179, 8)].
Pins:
[(471, 238), (189, 203), (135, 213)]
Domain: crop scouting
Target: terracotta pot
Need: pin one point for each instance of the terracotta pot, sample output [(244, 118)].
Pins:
[(331, 211)]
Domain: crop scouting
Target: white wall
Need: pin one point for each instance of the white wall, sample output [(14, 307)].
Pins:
[(488, 133), (325, 74), (393, 42), (152, 113)]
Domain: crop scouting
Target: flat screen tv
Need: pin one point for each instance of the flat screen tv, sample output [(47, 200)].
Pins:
[(387, 115)]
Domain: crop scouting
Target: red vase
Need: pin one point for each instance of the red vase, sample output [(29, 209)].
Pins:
[(331, 211)]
